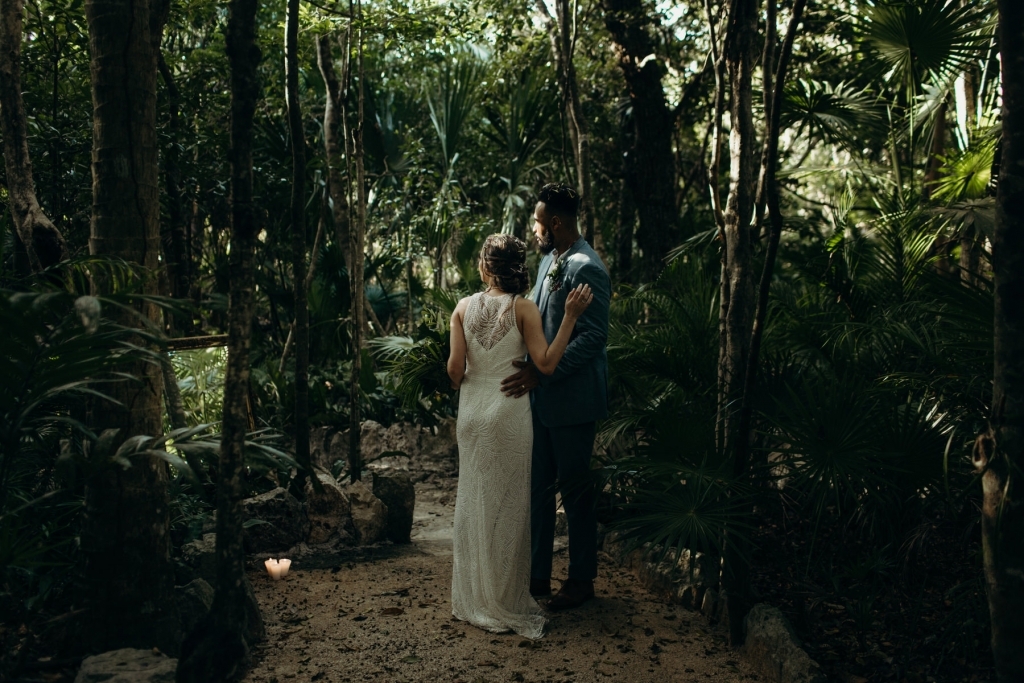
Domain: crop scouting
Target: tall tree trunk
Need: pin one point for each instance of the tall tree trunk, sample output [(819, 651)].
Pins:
[(624, 233), (358, 294), (736, 569), (217, 650), (933, 165), (174, 236), (562, 34), (735, 64), (125, 532), (737, 283), (335, 154), (298, 221), (654, 182), (42, 241), (999, 453)]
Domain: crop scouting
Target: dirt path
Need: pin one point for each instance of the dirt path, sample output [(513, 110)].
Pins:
[(384, 614)]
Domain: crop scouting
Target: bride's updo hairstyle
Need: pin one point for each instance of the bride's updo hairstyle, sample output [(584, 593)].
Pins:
[(503, 258)]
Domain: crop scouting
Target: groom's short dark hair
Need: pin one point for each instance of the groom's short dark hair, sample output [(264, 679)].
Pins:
[(560, 199)]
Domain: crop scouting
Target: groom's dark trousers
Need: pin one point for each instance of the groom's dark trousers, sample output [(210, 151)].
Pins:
[(566, 408), (561, 457)]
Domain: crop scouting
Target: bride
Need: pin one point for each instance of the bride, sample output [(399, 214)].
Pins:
[(491, 543)]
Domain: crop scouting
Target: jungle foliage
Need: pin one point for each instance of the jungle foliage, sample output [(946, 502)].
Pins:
[(874, 375)]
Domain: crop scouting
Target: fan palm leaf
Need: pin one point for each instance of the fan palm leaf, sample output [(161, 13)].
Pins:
[(922, 40)]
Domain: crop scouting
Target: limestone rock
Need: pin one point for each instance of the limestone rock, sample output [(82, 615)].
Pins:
[(320, 447), (257, 631), (329, 511), (335, 449), (369, 514), (774, 650), (200, 556), (194, 601), (439, 449), (395, 447), (711, 605), (286, 522), (395, 489), (201, 559), (683, 580), (376, 440), (128, 666)]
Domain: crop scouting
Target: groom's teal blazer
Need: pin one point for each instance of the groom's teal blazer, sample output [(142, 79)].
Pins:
[(577, 392)]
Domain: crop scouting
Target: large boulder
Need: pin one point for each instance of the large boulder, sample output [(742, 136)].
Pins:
[(200, 560), (395, 489), (403, 445), (401, 438), (369, 514), (320, 447), (285, 521), (774, 650), (128, 666), (439, 449), (336, 450), (194, 601), (329, 510)]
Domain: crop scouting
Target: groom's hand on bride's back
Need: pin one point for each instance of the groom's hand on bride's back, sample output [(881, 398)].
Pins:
[(523, 381)]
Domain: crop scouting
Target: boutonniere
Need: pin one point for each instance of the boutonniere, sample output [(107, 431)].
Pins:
[(555, 275)]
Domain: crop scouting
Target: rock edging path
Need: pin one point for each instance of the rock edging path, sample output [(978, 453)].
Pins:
[(383, 613)]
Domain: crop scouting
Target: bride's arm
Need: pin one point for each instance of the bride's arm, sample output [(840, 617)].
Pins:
[(543, 356), (457, 359)]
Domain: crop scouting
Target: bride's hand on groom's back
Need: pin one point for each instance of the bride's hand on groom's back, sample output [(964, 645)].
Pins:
[(578, 300)]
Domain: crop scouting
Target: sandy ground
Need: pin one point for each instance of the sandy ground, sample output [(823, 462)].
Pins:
[(384, 614)]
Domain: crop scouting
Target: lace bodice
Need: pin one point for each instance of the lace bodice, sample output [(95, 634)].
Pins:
[(489, 318)]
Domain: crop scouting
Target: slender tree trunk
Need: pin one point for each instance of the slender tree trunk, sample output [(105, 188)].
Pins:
[(175, 406), (563, 43), (174, 236), (737, 285), (737, 282), (718, 113), (42, 241), (736, 570), (333, 148), (934, 163), (125, 532), (217, 650), (999, 453), (970, 256), (624, 234), (654, 181), (56, 205), (357, 236), (298, 221)]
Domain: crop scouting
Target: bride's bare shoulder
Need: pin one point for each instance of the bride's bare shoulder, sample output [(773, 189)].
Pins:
[(460, 308), (525, 307)]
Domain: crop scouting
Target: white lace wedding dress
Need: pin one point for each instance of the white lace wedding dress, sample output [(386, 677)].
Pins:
[(491, 543)]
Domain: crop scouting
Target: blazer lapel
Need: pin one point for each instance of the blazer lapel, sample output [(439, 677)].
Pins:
[(542, 290)]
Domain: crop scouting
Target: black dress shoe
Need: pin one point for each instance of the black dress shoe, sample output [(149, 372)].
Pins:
[(540, 587), (573, 593)]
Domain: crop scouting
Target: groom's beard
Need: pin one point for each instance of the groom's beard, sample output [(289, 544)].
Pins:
[(546, 243)]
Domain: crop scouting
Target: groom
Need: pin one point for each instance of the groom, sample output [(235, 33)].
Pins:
[(567, 404)]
